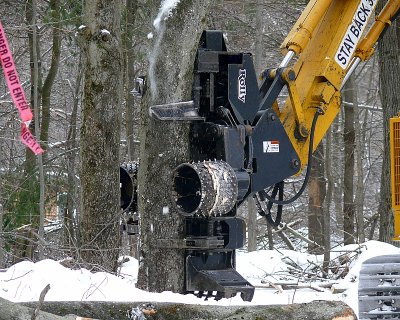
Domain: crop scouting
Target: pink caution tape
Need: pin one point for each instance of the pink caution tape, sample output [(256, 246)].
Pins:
[(17, 93)]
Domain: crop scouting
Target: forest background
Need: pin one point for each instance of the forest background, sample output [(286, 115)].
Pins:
[(54, 205)]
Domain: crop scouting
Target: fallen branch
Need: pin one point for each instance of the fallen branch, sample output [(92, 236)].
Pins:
[(321, 287), (288, 227), (40, 303), (316, 310)]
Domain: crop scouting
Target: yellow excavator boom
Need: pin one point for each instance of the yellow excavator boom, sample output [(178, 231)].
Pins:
[(329, 39)]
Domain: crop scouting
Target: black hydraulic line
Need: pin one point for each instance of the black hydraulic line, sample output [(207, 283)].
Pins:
[(307, 177), (268, 214)]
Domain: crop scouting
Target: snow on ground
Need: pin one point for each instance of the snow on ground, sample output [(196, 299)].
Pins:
[(25, 280)]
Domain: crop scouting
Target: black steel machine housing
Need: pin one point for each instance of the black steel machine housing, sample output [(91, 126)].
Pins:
[(238, 147)]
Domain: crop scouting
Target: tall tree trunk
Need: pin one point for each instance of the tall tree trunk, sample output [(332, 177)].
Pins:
[(359, 173), (389, 84), (336, 156), (348, 184), (30, 159), (100, 133), (132, 105), (316, 196), (51, 75), (164, 145), (31, 192), (328, 200), (71, 221), (131, 110), (252, 225), (37, 128)]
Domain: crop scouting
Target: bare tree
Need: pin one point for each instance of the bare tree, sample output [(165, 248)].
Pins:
[(71, 222), (359, 172), (100, 133), (48, 83), (131, 109), (164, 145), (316, 196), (348, 174)]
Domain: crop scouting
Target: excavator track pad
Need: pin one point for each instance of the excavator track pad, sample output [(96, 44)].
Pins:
[(379, 288)]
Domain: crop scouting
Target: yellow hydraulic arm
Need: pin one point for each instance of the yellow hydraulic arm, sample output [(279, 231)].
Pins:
[(329, 40)]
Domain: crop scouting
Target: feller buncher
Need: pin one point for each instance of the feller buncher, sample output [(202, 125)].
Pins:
[(244, 143)]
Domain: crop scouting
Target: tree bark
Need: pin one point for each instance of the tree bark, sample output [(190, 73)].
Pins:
[(70, 222), (16, 311), (54, 7), (252, 225), (259, 45), (37, 132), (348, 183), (164, 145), (132, 108), (100, 133), (359, 172), (336, 156), (328, 200), (316, 196), (389, 84), (316, 310)]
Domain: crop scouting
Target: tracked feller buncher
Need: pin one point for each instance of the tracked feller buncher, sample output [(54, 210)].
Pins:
[(245, 144)]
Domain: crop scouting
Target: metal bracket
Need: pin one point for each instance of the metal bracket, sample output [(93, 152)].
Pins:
[(176, 111), (289, 76), (196, 243)]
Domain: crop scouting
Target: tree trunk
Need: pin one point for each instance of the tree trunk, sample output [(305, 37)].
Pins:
[(30, 161), (54, 7), (16, 311), (37, 132), (359, 173), (328, 200), (259, 45), (132, 109), (165, 145), (316, 196), (71, 222), (389, 65), (27, 204), (270, 237), (316, 310), (348, 184), (252, 225), (336, 156), (100, 133)]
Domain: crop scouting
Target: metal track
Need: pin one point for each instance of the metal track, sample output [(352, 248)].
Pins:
[(379, 288)]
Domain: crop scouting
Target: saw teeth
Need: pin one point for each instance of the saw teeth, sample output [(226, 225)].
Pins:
[(204, 188)]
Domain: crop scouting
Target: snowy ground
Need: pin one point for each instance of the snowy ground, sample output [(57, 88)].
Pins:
[(25, 280)]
